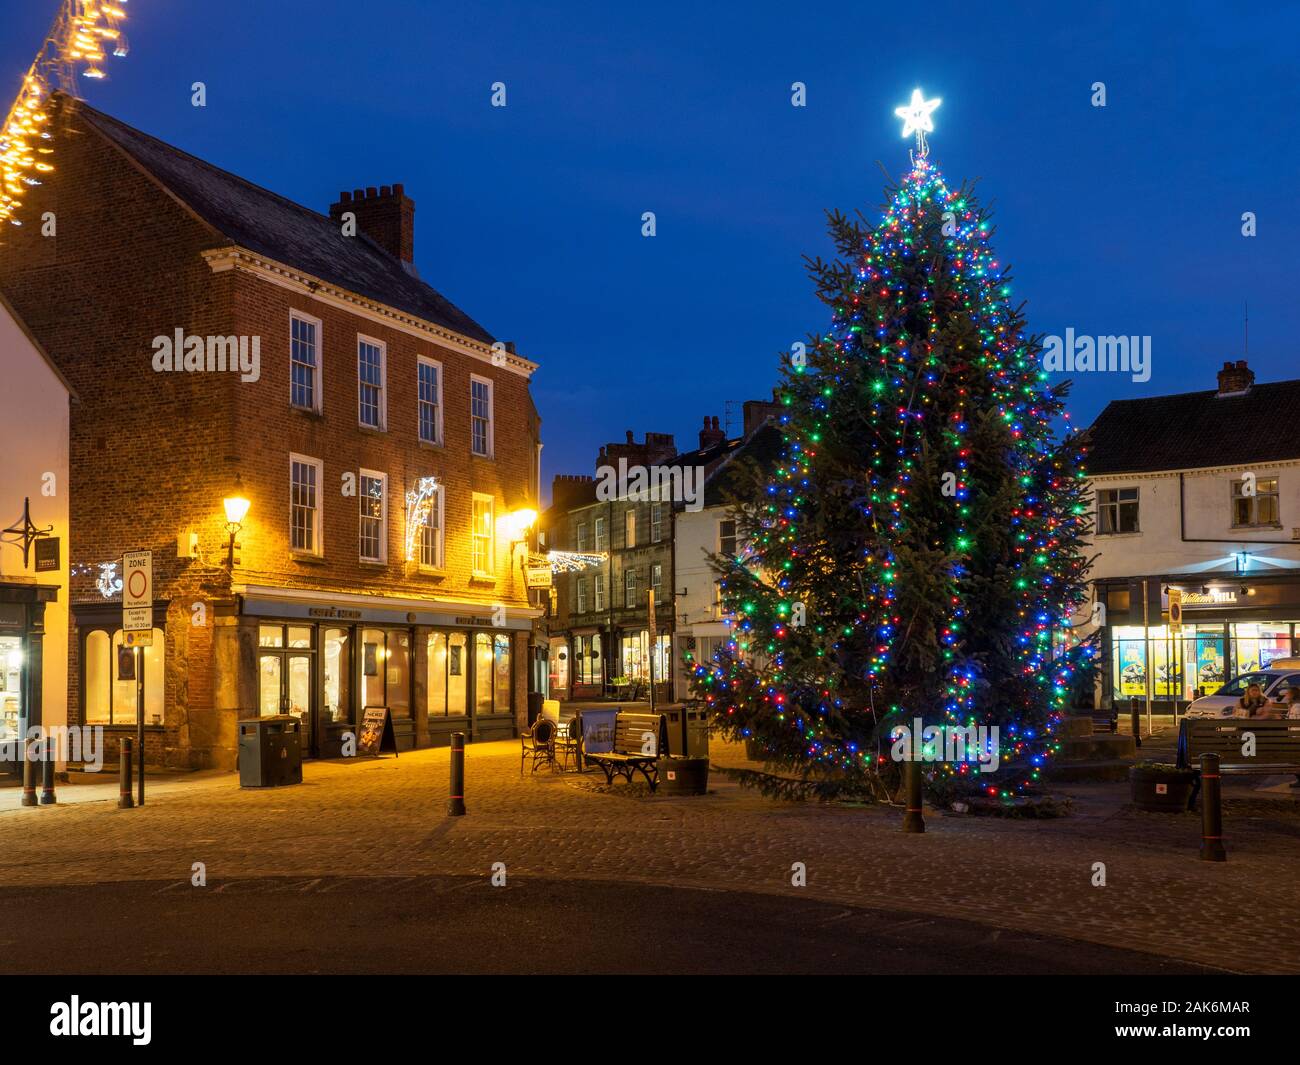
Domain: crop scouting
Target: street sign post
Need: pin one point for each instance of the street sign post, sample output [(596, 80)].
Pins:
[(137, 632)]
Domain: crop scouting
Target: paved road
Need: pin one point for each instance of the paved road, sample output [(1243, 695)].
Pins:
[(386, 818), (439, 924)]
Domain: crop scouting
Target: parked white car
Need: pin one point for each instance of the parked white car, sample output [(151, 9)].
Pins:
[(1274, 679)]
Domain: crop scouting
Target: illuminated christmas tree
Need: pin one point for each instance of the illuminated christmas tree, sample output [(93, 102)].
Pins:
[(917, 551)]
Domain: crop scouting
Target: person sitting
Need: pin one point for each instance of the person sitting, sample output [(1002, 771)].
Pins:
[(1293, 707), (1250, 704)]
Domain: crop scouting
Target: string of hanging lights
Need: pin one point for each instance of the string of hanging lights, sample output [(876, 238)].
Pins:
[(82, 34)]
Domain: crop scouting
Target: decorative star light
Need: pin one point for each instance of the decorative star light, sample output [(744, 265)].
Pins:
[(916, 118)]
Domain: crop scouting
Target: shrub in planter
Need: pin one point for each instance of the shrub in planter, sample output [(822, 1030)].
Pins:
[(1160, 786)]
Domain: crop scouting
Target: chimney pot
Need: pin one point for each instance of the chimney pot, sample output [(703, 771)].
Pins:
[(371, 192), (1235, 380), (385, 190), (399, 190), (345, 196), (359, 194)]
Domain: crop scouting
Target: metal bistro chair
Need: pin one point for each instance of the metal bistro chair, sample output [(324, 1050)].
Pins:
[(568, 737), (538, 743)]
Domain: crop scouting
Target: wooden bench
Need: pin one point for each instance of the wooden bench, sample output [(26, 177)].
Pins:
[(639, 741), (1277, 745)]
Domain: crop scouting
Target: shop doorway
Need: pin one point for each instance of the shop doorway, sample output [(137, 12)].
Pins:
[(285, 677)]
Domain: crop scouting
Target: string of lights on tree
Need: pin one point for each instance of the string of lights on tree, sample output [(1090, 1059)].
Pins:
[(923, 523), (82, 34)]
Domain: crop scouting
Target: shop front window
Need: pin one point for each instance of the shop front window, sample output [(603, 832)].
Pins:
[(448, 670), (337, 645), (115, 675), (491, 673), (11, 686), (634, 655), (663, 657), (559, 660), (386, 670), (1254, 645)]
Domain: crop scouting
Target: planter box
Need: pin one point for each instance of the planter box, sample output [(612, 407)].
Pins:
[(1164, 789), (683, 776)]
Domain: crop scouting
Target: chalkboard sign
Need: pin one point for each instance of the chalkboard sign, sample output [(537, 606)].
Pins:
[(376, 731)]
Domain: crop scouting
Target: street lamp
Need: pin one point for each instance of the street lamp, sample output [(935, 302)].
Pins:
[(236, 507)]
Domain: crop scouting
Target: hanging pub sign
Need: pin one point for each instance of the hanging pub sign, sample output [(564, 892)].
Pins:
[(47, 554), (376, 731)]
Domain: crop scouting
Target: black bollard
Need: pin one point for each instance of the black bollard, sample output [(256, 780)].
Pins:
[(1211, 811), (456, 804), (47, 774), (914, 818), (1135, 722), (29, 775), (124, 800)]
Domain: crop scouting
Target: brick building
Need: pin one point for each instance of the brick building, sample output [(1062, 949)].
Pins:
[(386, 443)]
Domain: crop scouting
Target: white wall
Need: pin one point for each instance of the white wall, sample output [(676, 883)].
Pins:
[(34, 443), (1158, 547), (696, 534)]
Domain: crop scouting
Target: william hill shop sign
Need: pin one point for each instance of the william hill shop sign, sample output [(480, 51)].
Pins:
[(1214, 597)]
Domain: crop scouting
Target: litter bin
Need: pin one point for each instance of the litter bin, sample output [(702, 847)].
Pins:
[(270, 751), (697, 731)]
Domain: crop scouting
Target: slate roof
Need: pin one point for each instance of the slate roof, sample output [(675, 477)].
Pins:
[(1196, 430), (279, 229), (763, 447)]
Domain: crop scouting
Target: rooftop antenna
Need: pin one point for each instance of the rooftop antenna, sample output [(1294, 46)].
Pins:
[(729, 413)]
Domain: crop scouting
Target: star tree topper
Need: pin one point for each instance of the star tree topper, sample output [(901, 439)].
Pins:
[(917, 119)]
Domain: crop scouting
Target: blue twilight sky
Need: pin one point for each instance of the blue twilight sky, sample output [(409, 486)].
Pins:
[(1124, 219)]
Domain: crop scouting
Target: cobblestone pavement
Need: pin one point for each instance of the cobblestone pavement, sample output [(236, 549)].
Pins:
[(387, 818)]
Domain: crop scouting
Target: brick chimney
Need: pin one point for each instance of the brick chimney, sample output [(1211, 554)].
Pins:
[(1235, 380), (711, 435), (656, 449), (386, 215), (758, 411)]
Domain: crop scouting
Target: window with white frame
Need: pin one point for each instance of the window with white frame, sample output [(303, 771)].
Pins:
[(1117, 510), (429, 400), (373, 495), (629, 527), (580, 595), (598, 591), (483, 533), (371, 357), (657, 581), (304, 361), (431, 534), (629, 588), (480, 416), (1255, 502), (582, 536), (305, 476), (727, 537), (656, 522), (602, 535)]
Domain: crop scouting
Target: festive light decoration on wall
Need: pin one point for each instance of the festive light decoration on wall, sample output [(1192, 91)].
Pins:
[(573, 561), (76, 42), (420, 502), (107, 581), (927, 376)]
